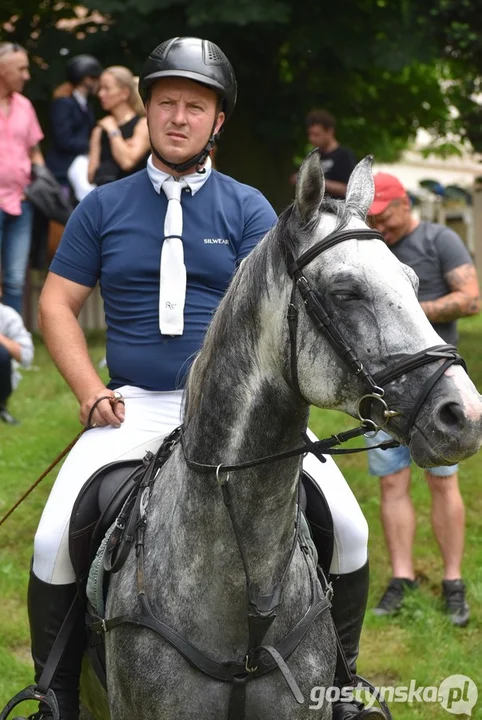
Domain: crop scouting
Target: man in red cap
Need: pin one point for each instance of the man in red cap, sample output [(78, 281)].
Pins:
[(448, 290)]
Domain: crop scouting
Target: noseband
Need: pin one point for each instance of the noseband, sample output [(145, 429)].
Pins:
[(375, 391)]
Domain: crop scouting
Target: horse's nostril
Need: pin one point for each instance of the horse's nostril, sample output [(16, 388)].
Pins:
[(451, 415)]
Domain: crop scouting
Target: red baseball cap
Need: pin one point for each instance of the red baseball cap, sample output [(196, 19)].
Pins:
[(387, 188)]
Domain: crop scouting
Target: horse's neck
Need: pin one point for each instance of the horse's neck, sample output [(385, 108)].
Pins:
[(243, 416)]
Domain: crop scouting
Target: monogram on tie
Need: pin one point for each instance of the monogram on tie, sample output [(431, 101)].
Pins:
[(172, 291)]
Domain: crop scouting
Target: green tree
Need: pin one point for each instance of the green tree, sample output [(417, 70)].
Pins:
[(373, 63), (455, 31)]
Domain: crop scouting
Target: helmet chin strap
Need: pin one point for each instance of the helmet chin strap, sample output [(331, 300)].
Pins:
[(197, 160)]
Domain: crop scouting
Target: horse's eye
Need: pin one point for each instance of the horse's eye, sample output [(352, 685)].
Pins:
[(345, 295)]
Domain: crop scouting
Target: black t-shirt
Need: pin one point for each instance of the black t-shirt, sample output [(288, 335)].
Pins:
[(432, 251), (338, 164), (108, 169)]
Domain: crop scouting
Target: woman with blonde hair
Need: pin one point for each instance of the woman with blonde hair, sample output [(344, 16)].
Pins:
[(119, 144)]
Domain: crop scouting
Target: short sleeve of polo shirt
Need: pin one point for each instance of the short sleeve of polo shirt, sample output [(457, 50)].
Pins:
[(259, 219), (451, 250), (78, 257)]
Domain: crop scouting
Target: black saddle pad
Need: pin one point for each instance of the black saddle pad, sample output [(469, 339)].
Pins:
[(96, 508), (320, 520)]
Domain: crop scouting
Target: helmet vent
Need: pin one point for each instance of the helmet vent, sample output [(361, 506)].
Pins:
[(214, 55), (160, 50)]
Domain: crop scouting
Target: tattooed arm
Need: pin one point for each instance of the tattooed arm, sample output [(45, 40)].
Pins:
[(461, 301)]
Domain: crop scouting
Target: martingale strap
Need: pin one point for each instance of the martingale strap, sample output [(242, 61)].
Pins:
[(268, 658)]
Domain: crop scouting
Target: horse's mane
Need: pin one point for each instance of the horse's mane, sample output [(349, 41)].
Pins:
[(249, 285)]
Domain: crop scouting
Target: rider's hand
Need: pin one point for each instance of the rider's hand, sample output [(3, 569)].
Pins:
[(109, 411)]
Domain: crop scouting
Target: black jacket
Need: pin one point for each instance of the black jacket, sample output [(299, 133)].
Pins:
[(70, 128)]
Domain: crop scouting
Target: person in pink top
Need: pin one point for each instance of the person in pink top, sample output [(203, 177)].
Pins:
[(20, 135)]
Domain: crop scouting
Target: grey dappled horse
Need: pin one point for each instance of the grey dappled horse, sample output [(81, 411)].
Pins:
[(249, 393)]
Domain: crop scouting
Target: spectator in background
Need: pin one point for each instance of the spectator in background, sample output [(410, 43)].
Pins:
[(16, 348), (71, 116), (119, 144), (337, 161), (448, 289), (20, 135)]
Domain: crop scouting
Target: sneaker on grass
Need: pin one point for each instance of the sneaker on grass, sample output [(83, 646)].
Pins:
[(392, 599), (453, 595)]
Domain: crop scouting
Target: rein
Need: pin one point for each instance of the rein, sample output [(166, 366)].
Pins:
[(319, 448), (113, 399)]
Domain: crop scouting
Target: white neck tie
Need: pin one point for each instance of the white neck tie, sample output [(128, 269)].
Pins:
[(172, 291)]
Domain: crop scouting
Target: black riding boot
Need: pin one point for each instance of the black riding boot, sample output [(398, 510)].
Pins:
[(350, 594), (48, 606)]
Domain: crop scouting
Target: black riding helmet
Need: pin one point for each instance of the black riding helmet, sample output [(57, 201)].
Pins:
[(81, 66), (194, 59)]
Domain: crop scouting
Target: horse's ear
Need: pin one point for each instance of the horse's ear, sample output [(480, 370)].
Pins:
[(361, 188), (310, 187)]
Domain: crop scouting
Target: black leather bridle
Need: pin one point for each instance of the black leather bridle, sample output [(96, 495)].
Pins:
[(323, 323)]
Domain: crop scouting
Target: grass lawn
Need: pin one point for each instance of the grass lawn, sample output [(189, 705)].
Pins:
[(420, 644)]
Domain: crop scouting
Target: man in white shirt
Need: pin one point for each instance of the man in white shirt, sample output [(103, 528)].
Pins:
[(16, 348)]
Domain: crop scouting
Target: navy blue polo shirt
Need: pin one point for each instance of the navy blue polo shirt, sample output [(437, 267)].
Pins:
[(114, 237)]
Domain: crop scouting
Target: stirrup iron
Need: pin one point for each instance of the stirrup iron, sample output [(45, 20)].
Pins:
[(31, 693)]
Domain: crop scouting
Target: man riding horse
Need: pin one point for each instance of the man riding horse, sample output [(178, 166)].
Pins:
[(160, 289)]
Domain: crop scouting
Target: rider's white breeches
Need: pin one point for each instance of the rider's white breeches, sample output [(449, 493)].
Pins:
[(150, 416), (350, 547)]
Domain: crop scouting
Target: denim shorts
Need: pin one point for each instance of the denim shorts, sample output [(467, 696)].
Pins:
[(387, 462)]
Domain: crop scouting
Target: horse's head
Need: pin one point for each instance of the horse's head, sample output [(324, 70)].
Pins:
[(356, 324)]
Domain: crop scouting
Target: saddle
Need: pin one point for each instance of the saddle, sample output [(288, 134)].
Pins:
[(112, 491)]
